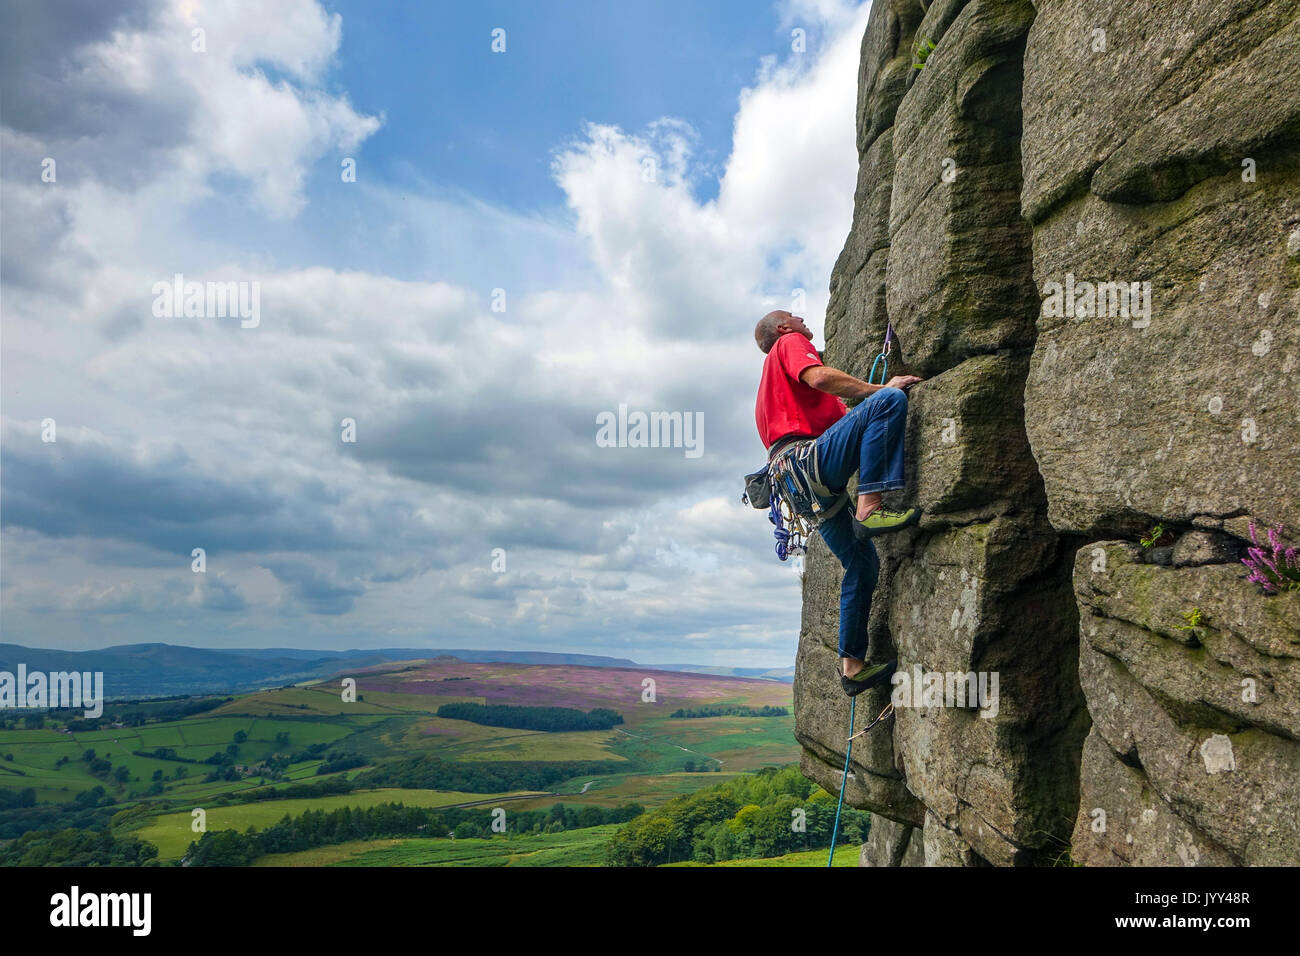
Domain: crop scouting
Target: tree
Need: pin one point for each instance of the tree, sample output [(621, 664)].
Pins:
[(222, 848), (724, 843), (26, 797), (90, 798)]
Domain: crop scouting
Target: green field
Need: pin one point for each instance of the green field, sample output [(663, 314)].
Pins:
[(394, 718), (733, 743), (171, 832), (36, 754)]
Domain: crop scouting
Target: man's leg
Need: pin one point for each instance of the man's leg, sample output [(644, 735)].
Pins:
[(861, 569), (869, 439)]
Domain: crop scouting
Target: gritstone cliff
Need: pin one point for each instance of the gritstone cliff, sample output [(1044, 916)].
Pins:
[(1086, 144)]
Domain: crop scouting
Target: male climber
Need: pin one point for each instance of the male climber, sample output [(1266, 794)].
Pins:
[(800, 398)]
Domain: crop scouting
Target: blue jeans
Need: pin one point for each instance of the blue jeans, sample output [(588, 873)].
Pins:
[(869, 439)]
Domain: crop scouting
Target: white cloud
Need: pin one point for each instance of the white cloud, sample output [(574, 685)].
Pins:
[(250, 104), (475, 428)]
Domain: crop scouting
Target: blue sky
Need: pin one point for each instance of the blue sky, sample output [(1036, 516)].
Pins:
[(566, 64), (501, 273)]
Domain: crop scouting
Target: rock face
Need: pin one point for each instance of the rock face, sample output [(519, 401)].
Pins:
[(1083, 222)]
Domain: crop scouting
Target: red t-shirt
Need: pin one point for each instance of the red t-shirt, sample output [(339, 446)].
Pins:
[(786, 406)]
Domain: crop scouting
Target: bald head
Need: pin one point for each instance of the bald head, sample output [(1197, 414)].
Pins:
[(776, 324), (765, 333)]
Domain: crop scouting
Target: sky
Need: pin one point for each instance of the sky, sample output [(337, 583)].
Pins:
[(464, 234)]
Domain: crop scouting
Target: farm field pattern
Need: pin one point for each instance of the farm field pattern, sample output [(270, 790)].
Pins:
[(394, 717)]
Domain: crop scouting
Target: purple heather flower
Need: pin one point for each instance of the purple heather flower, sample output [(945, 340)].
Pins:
[(1273, 571)]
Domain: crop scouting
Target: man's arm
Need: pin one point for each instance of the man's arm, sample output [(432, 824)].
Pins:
[(843, 385)]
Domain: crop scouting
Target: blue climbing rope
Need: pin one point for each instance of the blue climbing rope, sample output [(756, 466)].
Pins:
[(779, 532), (848, 753), (789, 528), (882, 357), (835, 833)]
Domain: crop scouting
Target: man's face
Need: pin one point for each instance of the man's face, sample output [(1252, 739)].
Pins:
[(795, 323)]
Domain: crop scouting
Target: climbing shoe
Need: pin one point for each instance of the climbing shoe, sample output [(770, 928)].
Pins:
[(881, 521), (870, 676)]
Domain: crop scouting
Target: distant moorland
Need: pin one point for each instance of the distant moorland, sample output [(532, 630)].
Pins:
[(440, 761)]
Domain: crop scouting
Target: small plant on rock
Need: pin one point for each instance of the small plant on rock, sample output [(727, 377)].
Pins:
[(1149, 541), (921, 52), (1193, 619), (1274, 568)]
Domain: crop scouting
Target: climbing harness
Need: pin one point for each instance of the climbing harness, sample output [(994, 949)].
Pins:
[(882, 359), (848, 754), (790, 488), (799, 501)]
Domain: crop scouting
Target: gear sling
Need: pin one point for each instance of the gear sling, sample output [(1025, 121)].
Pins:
[(790, 487)]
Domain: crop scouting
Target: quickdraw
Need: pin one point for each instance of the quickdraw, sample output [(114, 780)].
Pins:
[(883, 358), (887, 712), (800, 502), (789, 540)]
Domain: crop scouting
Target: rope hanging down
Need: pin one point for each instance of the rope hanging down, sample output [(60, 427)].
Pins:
[(844, 779), (848, 754)]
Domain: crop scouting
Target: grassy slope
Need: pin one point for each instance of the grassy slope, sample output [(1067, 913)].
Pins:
[(37, 752), (171, 832), (397, 717)]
